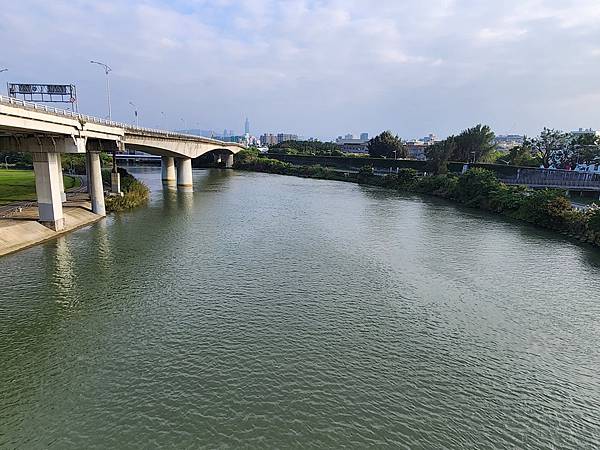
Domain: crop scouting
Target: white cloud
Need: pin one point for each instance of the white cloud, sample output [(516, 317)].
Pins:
[(319, 67)]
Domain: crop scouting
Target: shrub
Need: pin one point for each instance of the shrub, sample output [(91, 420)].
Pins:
[(439, 185), (476, 186), (593, 218), (135, 193), (547, 208), (407, 178), (365, 173)]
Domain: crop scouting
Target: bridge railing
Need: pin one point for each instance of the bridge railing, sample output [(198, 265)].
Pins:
[(97, 120)]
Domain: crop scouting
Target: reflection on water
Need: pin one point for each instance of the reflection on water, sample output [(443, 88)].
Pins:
[(271, 311), (60, 262)]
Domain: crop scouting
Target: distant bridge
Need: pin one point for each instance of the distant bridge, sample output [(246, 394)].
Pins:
[(47, 132)]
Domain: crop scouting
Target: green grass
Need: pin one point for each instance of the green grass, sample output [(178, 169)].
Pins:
[(16, 185)]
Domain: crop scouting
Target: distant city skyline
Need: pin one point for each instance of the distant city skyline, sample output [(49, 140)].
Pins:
[(411, 67)]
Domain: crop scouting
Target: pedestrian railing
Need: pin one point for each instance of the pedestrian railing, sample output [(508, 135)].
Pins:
[(564, 179)]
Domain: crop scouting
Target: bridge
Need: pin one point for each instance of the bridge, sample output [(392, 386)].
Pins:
[(47, 132)]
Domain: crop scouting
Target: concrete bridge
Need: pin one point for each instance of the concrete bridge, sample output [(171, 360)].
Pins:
[(48, 132)]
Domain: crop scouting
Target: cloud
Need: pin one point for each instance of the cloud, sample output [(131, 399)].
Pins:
[(318, 67)]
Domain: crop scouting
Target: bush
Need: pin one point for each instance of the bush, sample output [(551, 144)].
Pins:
[(547, 208), (407, 178), (593, 218), (135, 193), (439, 185), (476, 186)]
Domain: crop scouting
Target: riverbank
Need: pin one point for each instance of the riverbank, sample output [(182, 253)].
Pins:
[(22, 230), (477, 188)]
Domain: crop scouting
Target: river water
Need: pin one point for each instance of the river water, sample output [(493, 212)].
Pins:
[(272, 311)]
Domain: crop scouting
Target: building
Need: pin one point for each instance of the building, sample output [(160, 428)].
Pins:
[(430, 139), (416, 148), (585, 131), (284, 137), (505, 142), (364, 136), (353, 145), (267, 140)]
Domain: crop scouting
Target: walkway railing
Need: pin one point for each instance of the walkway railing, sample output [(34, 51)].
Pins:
[(32, 106), (563, 179)]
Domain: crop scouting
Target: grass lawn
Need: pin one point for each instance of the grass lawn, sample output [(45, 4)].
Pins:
[(18, 185)]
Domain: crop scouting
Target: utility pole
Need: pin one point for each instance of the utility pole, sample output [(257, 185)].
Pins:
[(107, 70), (135, 111)]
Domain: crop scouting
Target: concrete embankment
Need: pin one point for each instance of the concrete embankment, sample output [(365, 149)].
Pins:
[(22, 229)]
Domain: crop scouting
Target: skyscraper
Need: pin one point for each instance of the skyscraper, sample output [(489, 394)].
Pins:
[(247, 127)]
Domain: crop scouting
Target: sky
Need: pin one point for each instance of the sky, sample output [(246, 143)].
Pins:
[(318, 68)]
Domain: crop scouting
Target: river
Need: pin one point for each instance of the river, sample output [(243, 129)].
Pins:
[(272, 311)]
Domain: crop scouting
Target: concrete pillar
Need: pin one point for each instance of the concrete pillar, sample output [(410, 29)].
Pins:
[(96, 187), (87, 173), (63, 194), (115, 182), (168, 170), (184, 175), (229, 160), (47, 186)]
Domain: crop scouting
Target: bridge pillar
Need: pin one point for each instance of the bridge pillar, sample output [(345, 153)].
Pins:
[(184, 175), (63, 194), (96, 186), (87, 173), (168, 170), (48, 189), (229, 160)]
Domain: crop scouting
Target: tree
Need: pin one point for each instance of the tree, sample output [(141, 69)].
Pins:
[(585, 149), (386, 145), (551, 147), (475, 142), (439, 154), (522, 155), (317, 148)]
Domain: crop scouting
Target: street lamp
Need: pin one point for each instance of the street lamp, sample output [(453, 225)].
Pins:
[(6, 161), (107, 70), (135, 111), (184, 124), (164, 117)]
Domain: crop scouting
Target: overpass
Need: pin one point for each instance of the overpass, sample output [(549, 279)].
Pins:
[(47, 132)]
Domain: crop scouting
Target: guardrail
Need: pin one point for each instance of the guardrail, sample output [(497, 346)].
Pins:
[(110, 123), (564, 179)]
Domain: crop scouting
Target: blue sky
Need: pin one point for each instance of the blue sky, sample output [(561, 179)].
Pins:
[(318, 68)]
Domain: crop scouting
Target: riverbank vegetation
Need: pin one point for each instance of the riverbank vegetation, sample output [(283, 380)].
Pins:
[(476, 188), (19, 185), (316, 148), (135, 192)]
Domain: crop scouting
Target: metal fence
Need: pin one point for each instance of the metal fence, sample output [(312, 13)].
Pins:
[(563, 179)]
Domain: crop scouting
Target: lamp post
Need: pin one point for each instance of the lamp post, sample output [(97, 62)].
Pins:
[(164, 118), (6, 161), (107, 70), (135, 111), (184, 124)]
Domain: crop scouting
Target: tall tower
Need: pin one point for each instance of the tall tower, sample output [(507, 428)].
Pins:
[(247, 127)]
